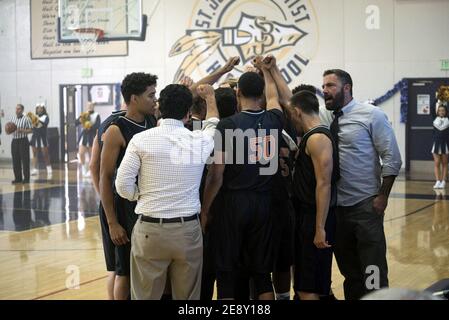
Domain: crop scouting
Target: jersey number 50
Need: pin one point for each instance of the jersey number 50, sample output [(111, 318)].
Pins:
[(262, 149)]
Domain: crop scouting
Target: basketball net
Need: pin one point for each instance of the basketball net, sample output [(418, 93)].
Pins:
[(88, 38)]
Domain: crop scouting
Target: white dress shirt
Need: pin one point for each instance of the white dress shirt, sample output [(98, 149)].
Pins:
[(169, 162)]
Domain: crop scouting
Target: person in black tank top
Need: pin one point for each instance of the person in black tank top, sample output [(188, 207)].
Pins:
[(108, 245), (283, 214), (244, 239), (315, 195), (94, 164), (139, 93), (227, 106)]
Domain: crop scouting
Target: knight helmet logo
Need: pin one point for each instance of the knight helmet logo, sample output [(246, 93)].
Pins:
[(207, 48)]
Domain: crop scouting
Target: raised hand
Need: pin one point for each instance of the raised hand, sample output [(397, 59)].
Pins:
[(269, 62), (186, 81), (230, 64), (205, 91), (258, 62), (250, 68)]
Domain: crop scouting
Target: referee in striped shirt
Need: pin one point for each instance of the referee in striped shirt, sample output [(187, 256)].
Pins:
[(20, 147)]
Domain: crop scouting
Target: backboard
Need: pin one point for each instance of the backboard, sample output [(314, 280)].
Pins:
[(118, 19)]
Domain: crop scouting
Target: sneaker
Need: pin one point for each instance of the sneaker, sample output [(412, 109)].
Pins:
[(16, 181), (443, 185), (437, 185), (34, 172), (49, 170)]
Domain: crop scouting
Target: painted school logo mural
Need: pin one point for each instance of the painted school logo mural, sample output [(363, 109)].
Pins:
[(221, 29)]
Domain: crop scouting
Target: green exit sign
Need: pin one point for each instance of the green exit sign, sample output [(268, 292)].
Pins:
[(86, 73), (445, 65)]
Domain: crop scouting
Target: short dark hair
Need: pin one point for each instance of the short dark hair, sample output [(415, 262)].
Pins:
[(342, 75), (199, 105), (136, 84), (21, 106), (306, 101), (251, 85), (304, 87), (175, 101), (226, 102)]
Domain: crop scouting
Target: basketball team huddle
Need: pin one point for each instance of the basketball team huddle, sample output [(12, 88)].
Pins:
[(251, 188)]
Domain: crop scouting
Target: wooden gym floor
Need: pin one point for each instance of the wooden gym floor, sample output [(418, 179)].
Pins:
[(50, 233)]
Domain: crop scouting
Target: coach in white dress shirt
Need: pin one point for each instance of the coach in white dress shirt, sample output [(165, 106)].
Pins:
[(169, 162)]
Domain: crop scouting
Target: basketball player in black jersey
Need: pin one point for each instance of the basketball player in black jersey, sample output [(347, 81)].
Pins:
[(95, 160), (282, 208), (227, 106), (244, 239), (316, 197), (139, 93), (94, 166)]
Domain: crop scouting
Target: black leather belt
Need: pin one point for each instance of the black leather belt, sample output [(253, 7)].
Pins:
[(168, 220)]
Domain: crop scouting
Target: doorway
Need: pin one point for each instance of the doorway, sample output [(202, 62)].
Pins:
[(73, 102), (419, 136)]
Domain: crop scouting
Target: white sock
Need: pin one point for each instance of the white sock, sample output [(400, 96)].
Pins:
[(283, 296)]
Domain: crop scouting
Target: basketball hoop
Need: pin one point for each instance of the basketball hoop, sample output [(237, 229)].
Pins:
[(88, 38)]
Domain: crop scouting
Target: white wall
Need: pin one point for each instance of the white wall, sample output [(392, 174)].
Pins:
[(412, 39)]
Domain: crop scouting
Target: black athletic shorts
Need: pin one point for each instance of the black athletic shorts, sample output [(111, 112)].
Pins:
[(108, 245), (244, 233), (283, 234), (118, 257), (210, 235), (313, 266), (209, 250)]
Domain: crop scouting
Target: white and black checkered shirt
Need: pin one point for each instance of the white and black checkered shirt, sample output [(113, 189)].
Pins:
[(22, 123), (169, 161)]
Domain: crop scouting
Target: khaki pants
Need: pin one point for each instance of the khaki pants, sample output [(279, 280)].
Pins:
[(175, 249)]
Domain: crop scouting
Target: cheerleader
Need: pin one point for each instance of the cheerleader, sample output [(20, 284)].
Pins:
[(91, 122), (39, 140), (440, 148)]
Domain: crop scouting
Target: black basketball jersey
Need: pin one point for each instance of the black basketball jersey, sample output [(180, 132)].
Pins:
[(251, 142), (194, 124), (105, 125), (112, 118), (304, 177), (129, 128), (282, 188)]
